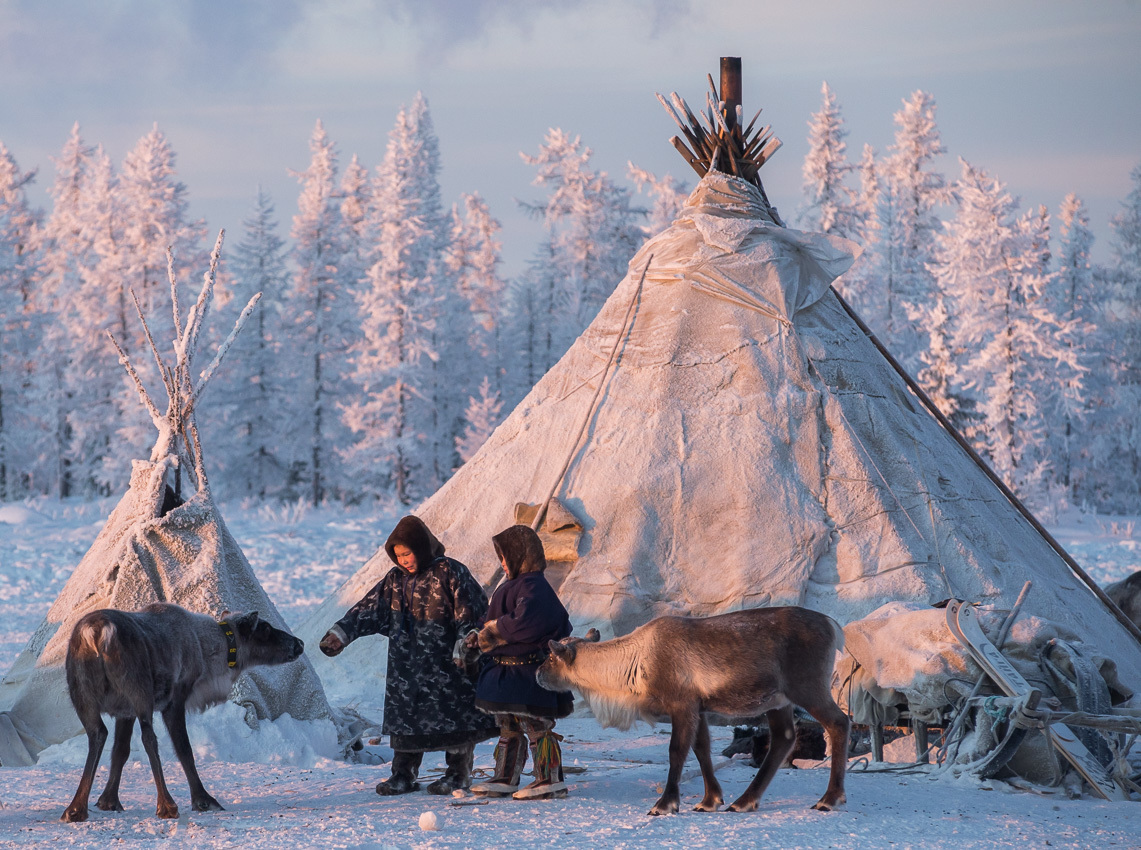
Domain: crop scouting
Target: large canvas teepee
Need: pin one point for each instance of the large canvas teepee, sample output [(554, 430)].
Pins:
[(750, 446), (155, 547)]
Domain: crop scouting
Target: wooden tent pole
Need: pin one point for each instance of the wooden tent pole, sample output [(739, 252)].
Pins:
[(542, 512), (1129, 625)]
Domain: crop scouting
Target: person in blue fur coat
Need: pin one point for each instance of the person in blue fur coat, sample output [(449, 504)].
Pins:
[(524, 614)]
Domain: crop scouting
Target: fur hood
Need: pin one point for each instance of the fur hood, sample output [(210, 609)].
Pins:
[(413, 533), (521, 549)]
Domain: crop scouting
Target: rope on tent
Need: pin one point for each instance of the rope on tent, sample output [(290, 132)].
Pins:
[(1129, 625), (542, 512)]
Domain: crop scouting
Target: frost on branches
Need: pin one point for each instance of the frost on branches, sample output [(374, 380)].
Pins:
[(830, 205)]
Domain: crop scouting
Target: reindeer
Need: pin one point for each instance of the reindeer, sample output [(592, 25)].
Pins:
[(163, 658), (741, 665)]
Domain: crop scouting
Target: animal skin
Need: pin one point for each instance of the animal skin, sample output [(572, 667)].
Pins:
[(164, 658), (742, 665)]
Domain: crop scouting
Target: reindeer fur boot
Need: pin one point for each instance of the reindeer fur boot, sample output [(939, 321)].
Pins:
[(547, 763), (458, 773), (510, 756), (405, 767)]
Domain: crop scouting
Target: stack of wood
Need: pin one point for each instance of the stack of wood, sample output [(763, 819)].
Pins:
[(716, 140)]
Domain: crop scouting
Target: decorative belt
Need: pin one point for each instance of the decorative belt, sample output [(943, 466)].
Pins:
[(519, 660)]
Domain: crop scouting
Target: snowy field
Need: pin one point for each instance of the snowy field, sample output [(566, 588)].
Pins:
[(283, 786)]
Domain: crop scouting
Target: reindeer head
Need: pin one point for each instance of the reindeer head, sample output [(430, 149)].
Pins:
[(554, 673), (261, 643)]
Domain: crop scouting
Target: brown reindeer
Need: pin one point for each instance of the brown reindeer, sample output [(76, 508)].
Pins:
[(741, 665)]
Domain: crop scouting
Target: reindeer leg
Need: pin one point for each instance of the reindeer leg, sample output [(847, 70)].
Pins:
[(109, 799), (713, 797), (681, 739), (836, 724), (96, 738), (175, 720), (782, 738), (166, 807)]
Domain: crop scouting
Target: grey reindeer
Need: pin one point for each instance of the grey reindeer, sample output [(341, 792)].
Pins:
[(164, 658), (738, 665)]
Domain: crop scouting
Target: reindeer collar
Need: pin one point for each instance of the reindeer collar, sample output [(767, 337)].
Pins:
[(231, 644)]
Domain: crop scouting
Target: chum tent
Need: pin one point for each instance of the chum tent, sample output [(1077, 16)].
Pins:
[(155, 547), (750, 445)]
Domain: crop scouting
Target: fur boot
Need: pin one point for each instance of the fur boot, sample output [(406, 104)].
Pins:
[(547, 763), (510, 756), (458, 774), (405, 767)]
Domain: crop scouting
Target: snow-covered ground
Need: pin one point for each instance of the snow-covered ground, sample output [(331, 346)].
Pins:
[(283, 787)]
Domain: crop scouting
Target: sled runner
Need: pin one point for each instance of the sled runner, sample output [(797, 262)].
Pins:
[(963, 622)]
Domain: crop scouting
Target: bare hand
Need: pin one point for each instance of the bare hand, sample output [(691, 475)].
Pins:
[(331, 644)]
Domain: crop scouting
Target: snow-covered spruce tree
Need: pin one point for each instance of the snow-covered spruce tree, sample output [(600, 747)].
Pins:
[(1115, 425), (250, 426), (667, 193), (860, 284), (316, 339), (993, 264), (473, 258), (481, 417), (525, 342), (67, 252), (910, 192), (25, 408), (95, 379), (153, 210), (1071, 298), (593, 228), (400, 416), (829, 204)]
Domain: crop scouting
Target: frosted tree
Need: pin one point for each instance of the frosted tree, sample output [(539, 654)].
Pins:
[(473, 258), (250, 425), (482, 416), (1116, 429), (593, 228), (94, 385), (668, 197), (829, 204), (68, 252), (910, 192), (153, 209), (995, 264), (401, 417), (861, 284), (24, 410), (321, 312)]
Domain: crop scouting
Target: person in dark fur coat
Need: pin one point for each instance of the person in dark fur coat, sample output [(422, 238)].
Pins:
[(525, 613), (423, 605)]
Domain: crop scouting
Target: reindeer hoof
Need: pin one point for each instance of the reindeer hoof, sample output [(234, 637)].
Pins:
[(743, 806), (826, 805), (206, 804), (167, 812), (74, 815), (109, 804), (664, 807), (708, 805)]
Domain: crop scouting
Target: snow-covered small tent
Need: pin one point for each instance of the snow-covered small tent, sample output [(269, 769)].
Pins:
[(155, 547), (751, 446)]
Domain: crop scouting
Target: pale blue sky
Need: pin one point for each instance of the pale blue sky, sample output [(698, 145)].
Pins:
[(1045, 95)]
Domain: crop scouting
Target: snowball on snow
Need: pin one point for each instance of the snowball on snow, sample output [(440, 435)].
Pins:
[(429, 822)]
